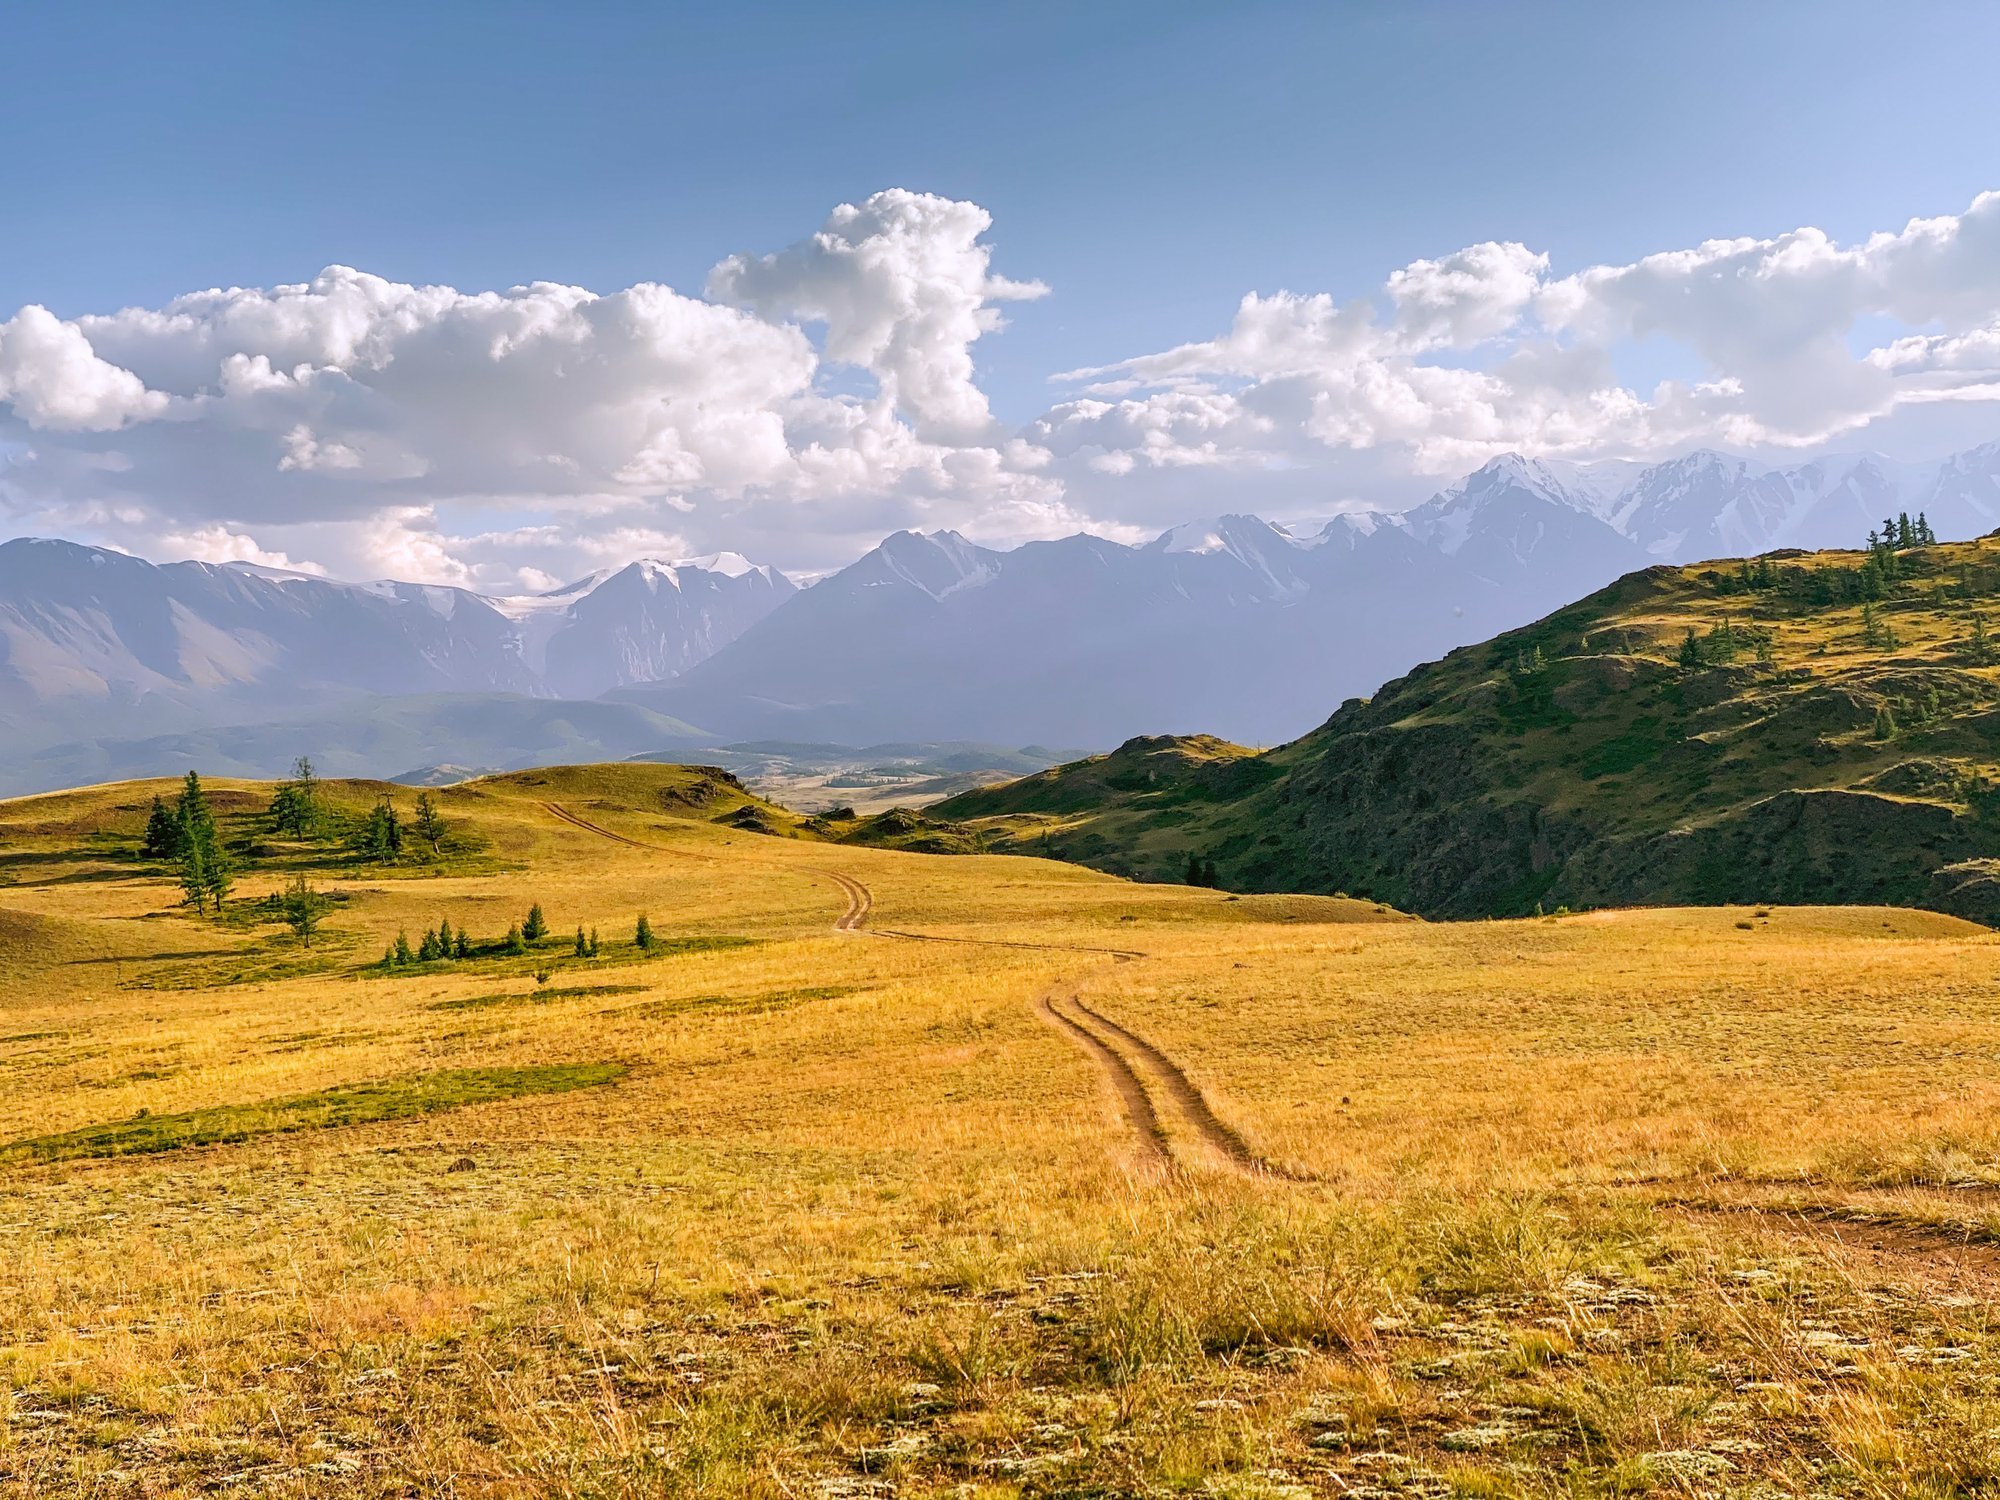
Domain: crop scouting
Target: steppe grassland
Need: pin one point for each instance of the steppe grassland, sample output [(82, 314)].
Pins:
[(1602, 1204)]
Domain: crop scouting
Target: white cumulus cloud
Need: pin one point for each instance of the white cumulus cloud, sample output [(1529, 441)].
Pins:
[(816, 396)]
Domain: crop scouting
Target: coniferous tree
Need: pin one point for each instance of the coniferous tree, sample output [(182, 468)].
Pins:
[(1885, 723), (516, 943), (192, 809), (1193, 875), (162, 839), (295, 805), (1906, 535), (303, 909), (461, 946), (582, 944), (203, 868), (381, 837), (1208, 876), (593, 942), (428, 823), (1690, 650), (1980, 646), (218, 875), (193, 875), (642, 935), (402, 949), (536, 927), (427, 947)]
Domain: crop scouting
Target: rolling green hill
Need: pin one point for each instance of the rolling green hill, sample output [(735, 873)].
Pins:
[(1800, 727)]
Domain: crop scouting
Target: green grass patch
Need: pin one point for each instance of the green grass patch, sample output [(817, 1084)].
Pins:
[(654, 1010), (1639, 744), (535, 997), (344, 1104), (265, 961)]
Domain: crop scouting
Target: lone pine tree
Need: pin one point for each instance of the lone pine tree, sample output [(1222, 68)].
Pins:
[(303, 909), (428, 822)]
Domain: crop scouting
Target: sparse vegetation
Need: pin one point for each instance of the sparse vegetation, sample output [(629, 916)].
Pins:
[(1585, 1206), (346, 1104)]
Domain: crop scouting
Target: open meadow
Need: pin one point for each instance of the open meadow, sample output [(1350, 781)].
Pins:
[(891, 1173)]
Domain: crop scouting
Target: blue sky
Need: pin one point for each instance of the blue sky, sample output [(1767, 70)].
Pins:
[(1150, 163)]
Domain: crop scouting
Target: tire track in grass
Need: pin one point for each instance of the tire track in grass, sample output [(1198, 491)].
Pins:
[(1189, 1102), (1133, 1097), (1136, 1100), (860, 900)]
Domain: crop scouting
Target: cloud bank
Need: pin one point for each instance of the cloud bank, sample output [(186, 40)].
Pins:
[(816, 396)]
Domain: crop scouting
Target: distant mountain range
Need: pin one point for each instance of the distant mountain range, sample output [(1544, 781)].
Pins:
[(1258, 630), (93, 640), (1233, 624)]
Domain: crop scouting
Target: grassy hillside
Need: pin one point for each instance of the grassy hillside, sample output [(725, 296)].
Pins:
[(1803, 727), (888, 1174)]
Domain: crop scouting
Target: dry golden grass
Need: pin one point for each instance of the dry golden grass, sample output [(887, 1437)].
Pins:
[(1696, 1202)]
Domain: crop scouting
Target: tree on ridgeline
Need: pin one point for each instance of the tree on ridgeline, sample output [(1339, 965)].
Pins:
[(295, 806), (428, 823)]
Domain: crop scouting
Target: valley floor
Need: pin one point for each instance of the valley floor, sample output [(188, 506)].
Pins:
[(891, 1174)]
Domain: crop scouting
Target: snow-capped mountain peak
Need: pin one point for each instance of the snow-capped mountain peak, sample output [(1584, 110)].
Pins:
[(939, 563)]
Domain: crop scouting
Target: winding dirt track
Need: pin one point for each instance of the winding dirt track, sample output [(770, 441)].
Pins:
[(1127, 1059), (1133, 1098), (860, 901), (1189, 1099)]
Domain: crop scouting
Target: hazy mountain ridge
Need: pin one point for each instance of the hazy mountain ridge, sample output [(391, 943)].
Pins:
[(1231, 623), (1253, 629), (90, 637)]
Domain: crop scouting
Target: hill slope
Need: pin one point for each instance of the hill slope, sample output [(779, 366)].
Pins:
[(1830, 735)]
